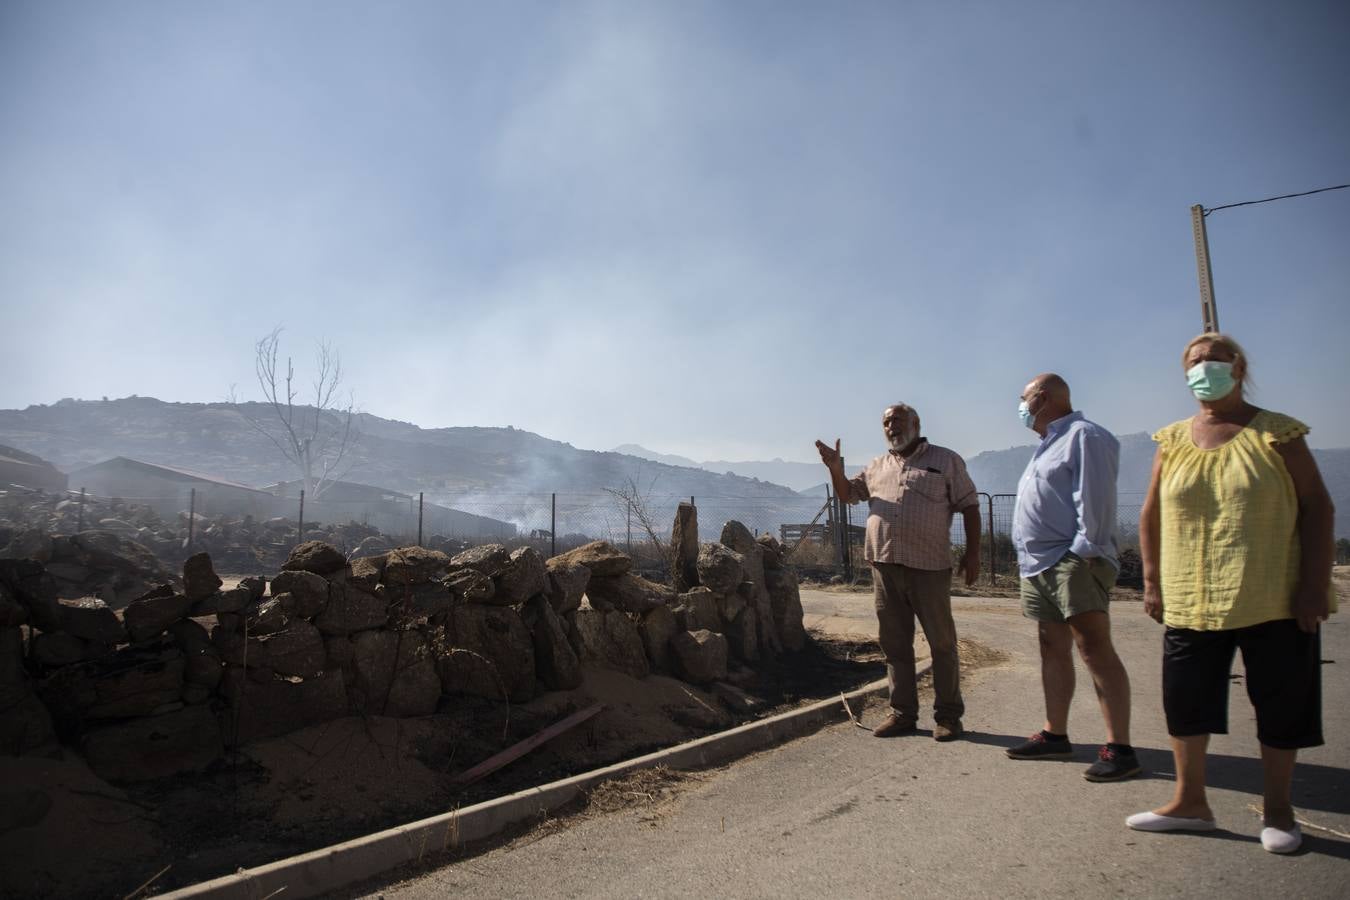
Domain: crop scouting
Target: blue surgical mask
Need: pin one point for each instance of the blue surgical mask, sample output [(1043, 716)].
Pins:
[(1211, 380), (1026, 415)]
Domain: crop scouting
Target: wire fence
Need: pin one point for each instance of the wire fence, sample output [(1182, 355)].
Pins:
[(821, 535)]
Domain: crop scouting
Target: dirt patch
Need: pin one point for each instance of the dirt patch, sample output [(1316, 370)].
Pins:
[(352, 776)]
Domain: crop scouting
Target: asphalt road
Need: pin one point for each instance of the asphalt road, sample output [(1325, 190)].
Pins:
[(843, 814)]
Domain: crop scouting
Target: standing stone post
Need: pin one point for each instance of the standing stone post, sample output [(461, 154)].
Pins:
[(684, 547)]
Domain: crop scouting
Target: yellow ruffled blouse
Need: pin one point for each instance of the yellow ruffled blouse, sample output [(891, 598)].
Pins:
[(1230, 546)]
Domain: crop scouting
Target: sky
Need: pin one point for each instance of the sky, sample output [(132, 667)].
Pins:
[(718, 229)]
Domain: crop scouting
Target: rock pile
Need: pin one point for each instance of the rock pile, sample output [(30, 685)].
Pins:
[(89, 564), (235, 543), (187, 669)]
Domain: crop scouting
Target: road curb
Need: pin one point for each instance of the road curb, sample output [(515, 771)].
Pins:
[(339, 865)]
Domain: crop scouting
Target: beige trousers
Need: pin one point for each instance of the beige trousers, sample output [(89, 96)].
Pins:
[(902, 595)]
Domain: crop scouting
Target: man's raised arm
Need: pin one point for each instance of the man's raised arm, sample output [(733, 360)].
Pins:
[(835, 463)]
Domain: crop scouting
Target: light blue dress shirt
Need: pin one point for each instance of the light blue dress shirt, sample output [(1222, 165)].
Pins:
[(1066, 499)]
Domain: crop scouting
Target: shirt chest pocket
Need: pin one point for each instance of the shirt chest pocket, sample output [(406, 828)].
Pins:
[(929, 485)]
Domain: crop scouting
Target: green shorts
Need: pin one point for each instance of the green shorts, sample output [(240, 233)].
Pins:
[(1071, 586)]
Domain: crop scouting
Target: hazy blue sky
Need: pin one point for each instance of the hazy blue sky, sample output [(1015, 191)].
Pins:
[(715, 229)]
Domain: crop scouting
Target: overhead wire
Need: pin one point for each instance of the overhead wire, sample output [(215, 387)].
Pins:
[(1207, 210)]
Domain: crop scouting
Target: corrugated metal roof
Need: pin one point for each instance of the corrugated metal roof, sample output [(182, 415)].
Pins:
[(161, 469)]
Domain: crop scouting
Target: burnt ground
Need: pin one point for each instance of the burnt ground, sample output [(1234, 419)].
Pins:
[(652, 793), (331, 783)]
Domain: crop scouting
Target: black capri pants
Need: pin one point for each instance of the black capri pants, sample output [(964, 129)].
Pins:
[(1284, 681)]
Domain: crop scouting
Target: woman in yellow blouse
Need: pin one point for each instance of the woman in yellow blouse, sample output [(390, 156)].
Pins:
[(1236, 539)]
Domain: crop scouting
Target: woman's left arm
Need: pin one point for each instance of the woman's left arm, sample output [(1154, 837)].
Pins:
[(1316, 548)]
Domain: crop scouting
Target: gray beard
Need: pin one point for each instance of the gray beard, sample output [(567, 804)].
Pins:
[(903, 441)]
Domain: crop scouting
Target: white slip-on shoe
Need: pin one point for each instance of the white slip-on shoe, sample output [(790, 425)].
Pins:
[(1278, 840), (1150, 821)]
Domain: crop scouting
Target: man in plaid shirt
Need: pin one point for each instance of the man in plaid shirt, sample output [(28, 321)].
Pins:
[(912, 493)]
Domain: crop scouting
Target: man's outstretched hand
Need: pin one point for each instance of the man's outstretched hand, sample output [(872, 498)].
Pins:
[(829, 455)]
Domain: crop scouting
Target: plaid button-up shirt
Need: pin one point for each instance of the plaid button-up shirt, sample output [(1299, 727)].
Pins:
[(910, 505)]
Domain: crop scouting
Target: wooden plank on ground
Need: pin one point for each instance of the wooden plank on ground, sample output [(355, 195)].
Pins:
[(516, 751)]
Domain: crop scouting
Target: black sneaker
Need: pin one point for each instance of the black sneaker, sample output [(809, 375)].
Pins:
[(1038, 746), (1113, 766)]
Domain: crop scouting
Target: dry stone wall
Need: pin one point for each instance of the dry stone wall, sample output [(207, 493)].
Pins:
[(187, 670)]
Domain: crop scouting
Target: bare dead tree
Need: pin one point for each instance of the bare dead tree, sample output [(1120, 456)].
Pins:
[(315, 437), (633, 499)]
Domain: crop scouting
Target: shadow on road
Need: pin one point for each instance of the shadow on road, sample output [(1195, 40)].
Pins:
[(1318, 787)]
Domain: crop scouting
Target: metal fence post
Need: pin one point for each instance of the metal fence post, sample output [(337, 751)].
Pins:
[(989, 505), (192, 514), (846, 542), (553, 527), (80, 526), (419, 518), (300, 528)]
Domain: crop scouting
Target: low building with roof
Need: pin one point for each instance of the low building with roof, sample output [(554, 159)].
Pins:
[(392, 512), (28, 472), (170, 490)]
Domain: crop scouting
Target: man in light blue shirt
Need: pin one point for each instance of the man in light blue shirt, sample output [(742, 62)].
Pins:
[(1064, 529)]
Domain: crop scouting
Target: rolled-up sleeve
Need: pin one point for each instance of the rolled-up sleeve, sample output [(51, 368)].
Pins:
[(960, 488), (1094, 495)]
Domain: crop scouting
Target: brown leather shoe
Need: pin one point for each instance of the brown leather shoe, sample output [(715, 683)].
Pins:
[(947, 731), (893, 725)]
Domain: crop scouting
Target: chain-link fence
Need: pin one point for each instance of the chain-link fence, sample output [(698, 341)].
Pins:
[(821, 536)]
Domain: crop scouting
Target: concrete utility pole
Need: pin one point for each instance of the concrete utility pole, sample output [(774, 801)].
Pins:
[(1209, 313)]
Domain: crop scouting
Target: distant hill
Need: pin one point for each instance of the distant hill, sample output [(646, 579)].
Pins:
[(214, 438)]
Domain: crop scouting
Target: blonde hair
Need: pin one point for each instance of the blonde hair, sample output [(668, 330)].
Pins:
[(1226, 342)]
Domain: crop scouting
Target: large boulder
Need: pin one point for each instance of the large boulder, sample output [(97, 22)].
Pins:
[(611, 639), (598, 556), (720, 568), (526, 576), (134, 681), (59, 648), (201, 661), (199, 577), (567, 584), (395, 674), (486, 651), (413, 565), (308, 593), (738, 538), (421, 601), (267, 617), (25, 724), (786, 601), (12, 612), (656, 630), (28, 582), (627, 592), (366, 571), (701, 654), (148, 615), (352, 609), (470, 586), (92, 619), (684, 546), (743, 635), (187, 740), (298, 650), (316, 557), (490, 559), (275, 706), (772, 551), (697, 609), (555, 662)]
